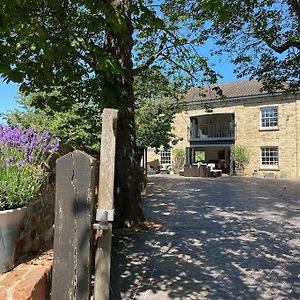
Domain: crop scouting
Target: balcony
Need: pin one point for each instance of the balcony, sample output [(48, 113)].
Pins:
[(212, 131)]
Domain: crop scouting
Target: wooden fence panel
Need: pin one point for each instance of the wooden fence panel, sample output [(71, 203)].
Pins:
[(74, 212)]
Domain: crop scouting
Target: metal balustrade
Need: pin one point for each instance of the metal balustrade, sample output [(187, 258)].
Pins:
[(214, 131)]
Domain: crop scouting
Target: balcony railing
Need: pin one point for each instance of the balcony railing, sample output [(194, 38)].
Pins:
[(215, 131)]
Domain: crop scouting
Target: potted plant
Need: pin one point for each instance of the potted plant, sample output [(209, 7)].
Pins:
[(178, 159), (23, 160), (170, 170), (240, 154)]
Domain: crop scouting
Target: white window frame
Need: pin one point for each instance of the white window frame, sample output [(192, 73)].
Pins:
[(268, 118), (166, 153), (269, 166)]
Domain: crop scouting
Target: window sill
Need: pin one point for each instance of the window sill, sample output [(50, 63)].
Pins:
[(269, 168), (269, 129)]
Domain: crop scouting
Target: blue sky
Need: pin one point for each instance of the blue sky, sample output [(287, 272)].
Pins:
[(8, 95)]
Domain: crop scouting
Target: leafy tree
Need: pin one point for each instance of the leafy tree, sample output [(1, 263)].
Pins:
[(240, 154), (76, 126), (178, 162), (157, 102), (261, 37), (88, 52)]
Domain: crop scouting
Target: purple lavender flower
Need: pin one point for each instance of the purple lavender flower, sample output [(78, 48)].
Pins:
[(28, 157), (47, 136), (29, 146), (55, 146), (20, 164)]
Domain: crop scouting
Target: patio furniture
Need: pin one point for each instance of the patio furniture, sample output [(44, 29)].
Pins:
[(200, 170), (214, 172)]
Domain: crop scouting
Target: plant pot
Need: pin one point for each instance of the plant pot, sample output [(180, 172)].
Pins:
[(10, 223)]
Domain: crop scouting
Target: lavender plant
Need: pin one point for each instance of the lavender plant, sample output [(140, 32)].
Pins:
[(23, 161)]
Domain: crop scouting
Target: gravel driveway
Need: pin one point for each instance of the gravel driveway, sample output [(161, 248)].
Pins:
[(223, 238)]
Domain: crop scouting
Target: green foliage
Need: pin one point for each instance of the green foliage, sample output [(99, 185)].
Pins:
[(19, 186), (154, 119), (79, 127), (262, 38), (178, 158), (72, 70), (23, 162), (44, 55), (240, 154), (157, 102), (199, 156), (84, 54)]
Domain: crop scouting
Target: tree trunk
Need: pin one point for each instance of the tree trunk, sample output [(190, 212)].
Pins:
[(127, 183)]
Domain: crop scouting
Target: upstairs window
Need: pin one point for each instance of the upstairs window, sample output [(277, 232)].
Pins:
[(269, 157), (269, 117)]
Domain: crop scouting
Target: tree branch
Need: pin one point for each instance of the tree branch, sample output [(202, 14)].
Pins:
[(150, 61), (287, 45), (179, 66)]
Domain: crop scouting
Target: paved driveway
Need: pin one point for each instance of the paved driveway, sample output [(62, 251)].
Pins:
[(223, 238)]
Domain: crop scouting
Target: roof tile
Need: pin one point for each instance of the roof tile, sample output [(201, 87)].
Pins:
[(234, 89)]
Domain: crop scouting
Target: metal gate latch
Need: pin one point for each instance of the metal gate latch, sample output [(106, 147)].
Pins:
[(103, 217)]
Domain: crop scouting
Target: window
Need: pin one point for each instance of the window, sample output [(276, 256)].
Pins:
[(269, 157), (269, 117), (165, 157)]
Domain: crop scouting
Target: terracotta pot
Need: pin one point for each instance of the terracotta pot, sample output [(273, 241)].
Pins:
[(10, 223)]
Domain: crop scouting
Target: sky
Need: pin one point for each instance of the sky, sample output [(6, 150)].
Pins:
[(8, 95)]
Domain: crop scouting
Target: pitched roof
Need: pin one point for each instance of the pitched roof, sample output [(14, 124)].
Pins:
[(236, 89)]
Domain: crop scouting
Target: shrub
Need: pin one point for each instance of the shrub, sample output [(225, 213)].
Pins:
[(23, 161), (240, 154), (178, 160)]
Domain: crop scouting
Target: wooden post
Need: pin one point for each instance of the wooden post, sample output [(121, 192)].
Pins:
[(75, 193), (144, 171), (105, 202)]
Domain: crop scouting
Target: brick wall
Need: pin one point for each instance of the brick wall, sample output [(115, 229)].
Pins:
[(247, 118), (37, 230), (30, 280)]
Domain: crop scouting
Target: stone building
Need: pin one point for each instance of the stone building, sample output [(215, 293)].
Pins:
[(267, 124)]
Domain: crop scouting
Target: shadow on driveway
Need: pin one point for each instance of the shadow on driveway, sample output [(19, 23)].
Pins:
[(224, 238)]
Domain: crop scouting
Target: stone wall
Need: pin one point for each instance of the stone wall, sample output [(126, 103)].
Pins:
[(36, 233), (247, 119)]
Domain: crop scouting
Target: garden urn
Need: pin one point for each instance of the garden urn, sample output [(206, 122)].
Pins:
[(10, 223)]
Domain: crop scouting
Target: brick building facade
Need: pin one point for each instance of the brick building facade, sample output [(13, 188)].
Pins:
[(268, 124)]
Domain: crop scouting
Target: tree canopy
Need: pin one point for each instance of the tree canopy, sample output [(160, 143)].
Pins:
[(261, 37), (85, 54), (73, 53), (62, 46), (156, 103), (76, 126)]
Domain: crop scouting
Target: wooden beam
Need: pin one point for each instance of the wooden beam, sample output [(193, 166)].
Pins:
[(105, 202)]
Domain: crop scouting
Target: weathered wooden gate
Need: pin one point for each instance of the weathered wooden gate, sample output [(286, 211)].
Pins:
[(79, 225)]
